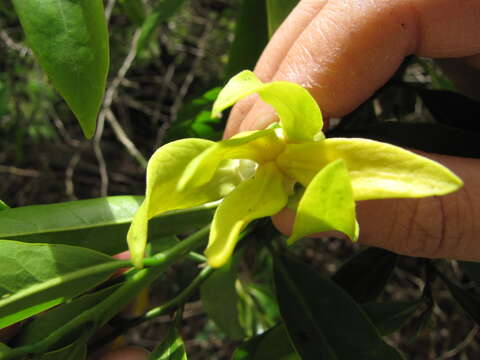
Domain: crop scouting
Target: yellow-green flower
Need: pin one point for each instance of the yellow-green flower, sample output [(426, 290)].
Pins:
[(334, 172)]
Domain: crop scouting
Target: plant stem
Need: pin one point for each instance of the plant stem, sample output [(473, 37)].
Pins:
[(179, 299), (168, 306), (106, 309)]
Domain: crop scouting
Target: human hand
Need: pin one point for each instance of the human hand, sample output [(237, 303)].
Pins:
[(344, 50)]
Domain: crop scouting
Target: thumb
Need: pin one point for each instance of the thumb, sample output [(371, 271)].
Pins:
[(433, 227)]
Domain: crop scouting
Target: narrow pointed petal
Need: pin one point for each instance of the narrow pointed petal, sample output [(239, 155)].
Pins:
[(327, 204), (377, 170), (163, 173), (263, 195), (299, 113), (259, 146)]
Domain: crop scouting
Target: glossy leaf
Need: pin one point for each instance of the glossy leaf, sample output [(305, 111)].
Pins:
[(273, 344), (43, 325), (75, 215), (377, 170), (220, 299), (327, 204), (163, 173), (366, 274), (36, 277), (259, 146), (260, 196), (277, 11), (70, 41), (163, 11), (322, 320), (299, 114), (250, 38), (389, 317), (74, 351), (99, 224), (171, 348)]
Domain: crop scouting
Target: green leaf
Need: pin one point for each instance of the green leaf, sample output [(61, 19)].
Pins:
[(322, 320), (171, 348), (260, 196), (327, 204), (43, 325), (163, 174), (272, 344), (366, 274), (377, 170), (36, 277), (389, 317), (4, 349), (299, 114), (70, 41), (468, 301), (194, 119), (3, 206), (266, 306), (258, 145), (277, 11), (251, 37), (75, 351), (163, 11), (134, 9), (99, 224), (220, 299)]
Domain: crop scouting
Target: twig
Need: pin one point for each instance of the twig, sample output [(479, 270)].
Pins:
[(69, 185), (107, 103), (18, 171), (9, 42), (109, 9), (124, 139), (180, 96), (460, 347)]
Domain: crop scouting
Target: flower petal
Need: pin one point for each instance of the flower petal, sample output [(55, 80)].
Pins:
[(327, 204), (299, 113), (163, 172), (262, 195), (377, 170), (259, 146)]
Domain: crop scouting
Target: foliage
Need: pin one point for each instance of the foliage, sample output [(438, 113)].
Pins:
[(57, 269)]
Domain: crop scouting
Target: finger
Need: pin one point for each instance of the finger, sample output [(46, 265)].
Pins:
[(127, 353), (273, 55), (351, 48), (435, 227)]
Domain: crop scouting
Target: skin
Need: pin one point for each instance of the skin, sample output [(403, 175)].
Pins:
[(344, 50)]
